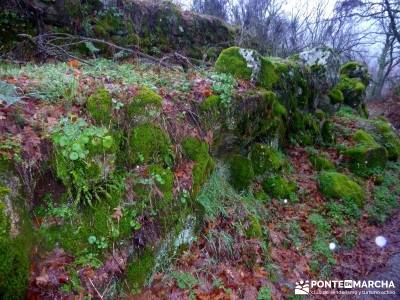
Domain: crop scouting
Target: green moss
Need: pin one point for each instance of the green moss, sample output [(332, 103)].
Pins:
[(355, 69), (321, 162), (336, 95), (279, 187), (198, 151), (14, 263), (211, 103), (232, 62), (241, 172), (353, 91), (388, 138), (367, 155), (145, 103), (264, 158), (139, 269), (268, 75), (255, 228), (99, 106), (338, 186), (149, 143), (259, 117), (328, 133)]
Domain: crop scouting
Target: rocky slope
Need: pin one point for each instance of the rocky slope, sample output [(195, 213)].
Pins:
[(123, 180)]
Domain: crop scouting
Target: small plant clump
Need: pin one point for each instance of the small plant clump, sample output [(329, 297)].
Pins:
[(84, 156), (99, 106)]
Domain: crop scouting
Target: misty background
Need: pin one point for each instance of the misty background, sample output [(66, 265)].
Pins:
[(357, 29)]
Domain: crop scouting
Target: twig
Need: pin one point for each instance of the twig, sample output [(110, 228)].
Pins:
[(98, 293)]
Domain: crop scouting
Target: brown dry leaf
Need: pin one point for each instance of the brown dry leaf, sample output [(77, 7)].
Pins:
[(42, 279)]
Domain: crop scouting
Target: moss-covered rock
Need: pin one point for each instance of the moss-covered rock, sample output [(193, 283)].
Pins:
[(353, 91), (144, 106), (357, 70), (279, 187), (99, 106), (241, 172), (238, 62), (336, 95), (265, 158), (149, 143), (339, 186), (366, 155), (387, 137), (259, 116), (198, 151)]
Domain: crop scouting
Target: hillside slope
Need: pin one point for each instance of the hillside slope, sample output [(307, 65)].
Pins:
[(129, 180)]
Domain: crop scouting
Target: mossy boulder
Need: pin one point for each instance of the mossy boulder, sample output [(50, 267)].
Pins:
[(239, 62), (353, 91), (241, 172), (335, 185), (99, 106), (145, 106), (366, 155), (279, 187), (387, 137), (266, 159), (258, 115), (149, 143), (324, 65), (198, 151), (357, 70), (336, 95)]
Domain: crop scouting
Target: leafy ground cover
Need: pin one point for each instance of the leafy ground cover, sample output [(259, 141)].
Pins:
[(137, 201)]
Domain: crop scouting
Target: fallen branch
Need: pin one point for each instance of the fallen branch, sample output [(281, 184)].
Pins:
[(57, 45)]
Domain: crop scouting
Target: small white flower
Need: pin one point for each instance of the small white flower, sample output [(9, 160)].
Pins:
[(332, 246), (381, 241), (285, 201), (366, 161)]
